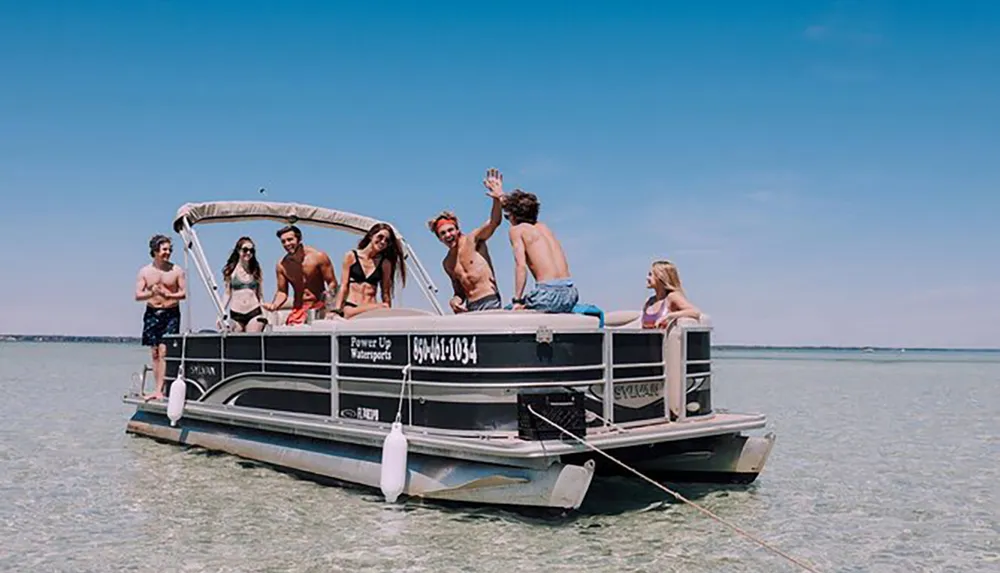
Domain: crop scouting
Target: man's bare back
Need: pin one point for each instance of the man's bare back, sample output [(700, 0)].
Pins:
[(160, 282), (544, 254), (537, 250)]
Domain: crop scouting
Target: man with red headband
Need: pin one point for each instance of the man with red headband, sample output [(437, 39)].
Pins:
[(468, 262)]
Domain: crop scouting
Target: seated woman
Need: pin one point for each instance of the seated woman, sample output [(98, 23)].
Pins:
[(373, 264), (669, 302), (244, 289)]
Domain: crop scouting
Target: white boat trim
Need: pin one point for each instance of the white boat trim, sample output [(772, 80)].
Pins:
[(424, 441)]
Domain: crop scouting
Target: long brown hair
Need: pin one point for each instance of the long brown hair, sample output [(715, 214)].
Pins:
[(393, 252), (234, 259)]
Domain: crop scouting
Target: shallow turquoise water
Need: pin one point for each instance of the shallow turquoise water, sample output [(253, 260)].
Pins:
[(884, 462)]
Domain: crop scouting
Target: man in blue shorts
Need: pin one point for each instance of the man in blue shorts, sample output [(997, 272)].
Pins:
[(162, 285), (536, 248)]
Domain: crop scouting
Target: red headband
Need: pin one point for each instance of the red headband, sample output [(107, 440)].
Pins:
[(442, 221)]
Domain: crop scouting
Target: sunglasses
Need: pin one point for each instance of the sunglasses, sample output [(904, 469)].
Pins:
[(250, 250)]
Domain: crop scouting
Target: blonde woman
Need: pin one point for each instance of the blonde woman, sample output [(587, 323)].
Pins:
[(669, 301)]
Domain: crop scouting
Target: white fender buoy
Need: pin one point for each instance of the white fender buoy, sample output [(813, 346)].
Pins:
[(175, 403), (393, 479)]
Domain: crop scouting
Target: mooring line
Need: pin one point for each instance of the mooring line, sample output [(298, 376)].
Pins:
[(402, 392), (662, 487)]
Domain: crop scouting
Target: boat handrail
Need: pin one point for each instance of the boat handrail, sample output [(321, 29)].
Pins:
[(680, 372), (466, 370), (480, 385)]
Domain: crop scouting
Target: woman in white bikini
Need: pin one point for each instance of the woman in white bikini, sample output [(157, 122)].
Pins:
[(244, 288), (372, 265), (669, 301)]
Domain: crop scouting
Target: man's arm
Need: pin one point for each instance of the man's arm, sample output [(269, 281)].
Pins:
[(494, 183), (456, 302), (520, 262), (280, 292), (181, 293), (142, 291), (684, 309)]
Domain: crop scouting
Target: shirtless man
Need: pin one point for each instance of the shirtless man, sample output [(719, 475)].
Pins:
[(536, 248), (468, 262), (308, 270), (163, 286)]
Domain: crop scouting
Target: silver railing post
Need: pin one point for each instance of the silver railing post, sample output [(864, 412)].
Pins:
[(426, 282), (682, 407), (207, 279), (408, 371), (334, 376), (609, 378)]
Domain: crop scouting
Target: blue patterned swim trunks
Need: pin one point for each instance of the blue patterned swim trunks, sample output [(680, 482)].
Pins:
[(157, 322)]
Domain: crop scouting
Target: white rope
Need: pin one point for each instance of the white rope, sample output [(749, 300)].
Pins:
[(680, 497), (402, 389), (180, 368)]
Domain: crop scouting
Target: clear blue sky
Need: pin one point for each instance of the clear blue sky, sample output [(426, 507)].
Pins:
[(819, 171)]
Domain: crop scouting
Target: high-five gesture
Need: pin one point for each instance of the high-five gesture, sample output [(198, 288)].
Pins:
[(494, 183)]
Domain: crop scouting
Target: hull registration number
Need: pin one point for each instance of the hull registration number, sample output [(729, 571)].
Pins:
[(445, 350)]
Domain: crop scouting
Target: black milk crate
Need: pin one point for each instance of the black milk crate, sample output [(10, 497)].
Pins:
[(564, 407)]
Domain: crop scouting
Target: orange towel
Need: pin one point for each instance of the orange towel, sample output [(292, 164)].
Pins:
[(298, 314)]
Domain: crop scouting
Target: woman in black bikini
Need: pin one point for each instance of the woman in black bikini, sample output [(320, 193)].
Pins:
[(244, 288), (374, 263)]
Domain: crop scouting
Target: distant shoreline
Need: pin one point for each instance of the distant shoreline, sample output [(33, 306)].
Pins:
[(136, 340)]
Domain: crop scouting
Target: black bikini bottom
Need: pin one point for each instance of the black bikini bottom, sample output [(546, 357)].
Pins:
[(244, 318)]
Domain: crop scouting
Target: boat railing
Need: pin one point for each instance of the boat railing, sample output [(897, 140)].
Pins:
[(665, 378), (685, 364)]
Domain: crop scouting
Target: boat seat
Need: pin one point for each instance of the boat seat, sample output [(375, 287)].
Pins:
[(390, 312)]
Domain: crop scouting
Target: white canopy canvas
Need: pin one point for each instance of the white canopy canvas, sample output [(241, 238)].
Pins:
[(287, 213)]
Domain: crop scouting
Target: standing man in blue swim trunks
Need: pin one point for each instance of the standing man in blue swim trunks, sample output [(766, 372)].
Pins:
[(162, 285), (536, 248)]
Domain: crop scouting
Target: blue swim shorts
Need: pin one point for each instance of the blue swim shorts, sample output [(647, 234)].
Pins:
[(559, 295)]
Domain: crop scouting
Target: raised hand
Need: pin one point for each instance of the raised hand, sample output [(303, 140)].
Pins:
[(494, 183)]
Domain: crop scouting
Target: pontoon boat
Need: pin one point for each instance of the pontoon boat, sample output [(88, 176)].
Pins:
[(469, 389)]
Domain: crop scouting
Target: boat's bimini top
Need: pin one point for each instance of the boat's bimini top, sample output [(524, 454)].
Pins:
[(287, 213)]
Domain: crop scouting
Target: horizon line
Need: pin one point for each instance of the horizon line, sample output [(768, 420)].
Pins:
[(10, 337)]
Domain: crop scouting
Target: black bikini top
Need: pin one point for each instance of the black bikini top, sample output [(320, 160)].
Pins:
[(357, 274)]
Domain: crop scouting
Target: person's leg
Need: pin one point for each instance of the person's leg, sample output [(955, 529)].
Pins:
[(566, 298), (151, 333), (254, 320), (238, 321), (160, 368), (354, 310), (170, 322)]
